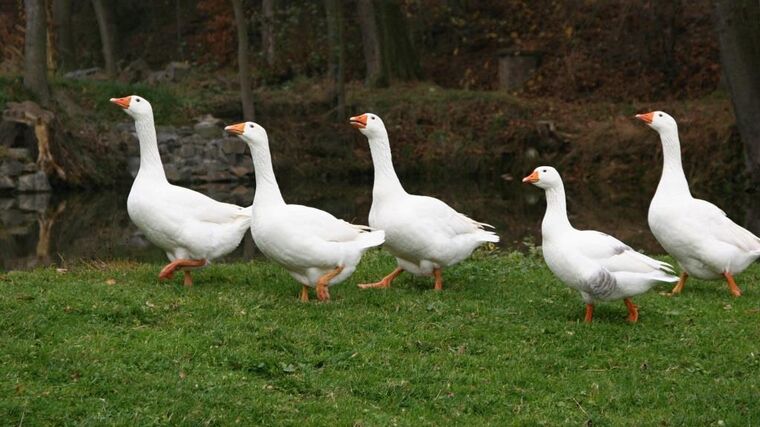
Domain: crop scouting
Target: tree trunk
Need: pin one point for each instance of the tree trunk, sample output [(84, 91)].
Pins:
[(388, 50), (246, 97), (371, 43), (104, 15), (63, 37), (739, 35), (398, 55), (178, 17), (336, 64), (35, 50), (267, 30)]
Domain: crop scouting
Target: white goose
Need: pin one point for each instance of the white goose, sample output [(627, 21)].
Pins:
[(423, 233), (597, 265), (316, 248), (191, 228), (698, 234)]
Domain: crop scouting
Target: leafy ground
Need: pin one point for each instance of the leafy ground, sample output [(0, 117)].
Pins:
[(503, 344)]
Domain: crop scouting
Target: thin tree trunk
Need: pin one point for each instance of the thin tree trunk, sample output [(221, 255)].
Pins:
[(388, 51), (104, 14), (178, 16), (371, 43), (35, 50), (739, 35), (399, 57), (246, 97), (63, 37), (336, 64), (267, 30)]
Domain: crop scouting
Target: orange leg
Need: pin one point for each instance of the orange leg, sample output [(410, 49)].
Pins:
[(305, 294), (438, 279), (168, 271), (589, 313), (188, 279), (323, 294), (735, 291), (681, 281), (633, 311), (385, 282)]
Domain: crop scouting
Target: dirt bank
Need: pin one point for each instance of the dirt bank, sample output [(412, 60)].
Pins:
[(434, 133)]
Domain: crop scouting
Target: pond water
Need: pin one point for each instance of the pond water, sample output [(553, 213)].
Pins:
[(59, 228)]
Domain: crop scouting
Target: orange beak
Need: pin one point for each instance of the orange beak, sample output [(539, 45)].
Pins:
[(122, 102), (236, 129), (359, 122), (646, 117), (532, 178)]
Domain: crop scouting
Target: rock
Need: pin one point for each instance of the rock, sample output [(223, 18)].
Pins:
[(34, 202), (128, 127), (158, 77), (166, 134), (177, 70), (172, 173), (241, 171), (233, 146), (186, 150), (185, 131), (36, 182), (171, 73), (137, 70), (138, 240), (133, 165), (86, 73), (31, 167), (216, 176), (11, 218), (6, 204), (6, 183), (207, 130), (214, 166), (242, 190), (20, 154), (11, 167), (208, 127)]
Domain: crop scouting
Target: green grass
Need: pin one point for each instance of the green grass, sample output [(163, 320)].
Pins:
[(503, 344)]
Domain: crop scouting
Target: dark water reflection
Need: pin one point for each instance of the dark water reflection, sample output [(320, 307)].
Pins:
[(44, 229)]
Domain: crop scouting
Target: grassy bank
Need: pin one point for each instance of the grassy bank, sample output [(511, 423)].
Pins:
[(502, 344)]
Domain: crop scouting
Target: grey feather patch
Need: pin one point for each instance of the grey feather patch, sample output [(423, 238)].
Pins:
[(602, 284)]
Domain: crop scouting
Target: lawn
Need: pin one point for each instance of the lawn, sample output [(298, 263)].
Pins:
[(503, 344)]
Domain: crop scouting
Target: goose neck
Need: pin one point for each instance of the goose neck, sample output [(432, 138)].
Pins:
[(673, 180), (150, 158), (555, 218), (386, 180), (267, 190)]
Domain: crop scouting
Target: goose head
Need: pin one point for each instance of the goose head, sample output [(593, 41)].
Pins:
[(134, 105), (251, 133), (544, 177), (659, 121), (369, 124)]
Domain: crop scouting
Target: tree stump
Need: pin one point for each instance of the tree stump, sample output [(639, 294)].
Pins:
[(34, 116), (517, 67)]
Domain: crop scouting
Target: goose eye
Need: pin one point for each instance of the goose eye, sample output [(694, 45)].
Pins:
[(373, 118), (138, 99), (544, 171), (660, 114), (250, 126)]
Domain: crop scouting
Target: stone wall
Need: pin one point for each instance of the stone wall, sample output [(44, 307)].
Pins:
[(19, 172), (200, 153)]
